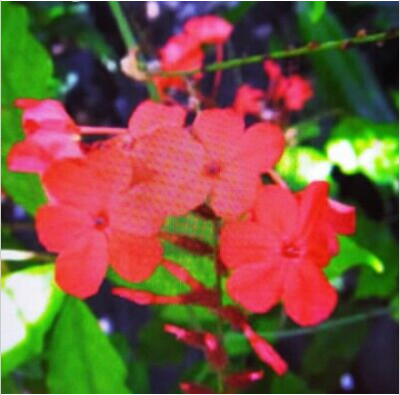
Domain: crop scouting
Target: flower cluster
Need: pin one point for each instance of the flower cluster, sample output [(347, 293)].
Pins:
[(184, 51), (108, 201), (284, 94)]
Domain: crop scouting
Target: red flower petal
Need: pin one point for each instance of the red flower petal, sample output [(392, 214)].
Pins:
[(208, 29), (313, 203), (248, 100), (26, 156), (308, 297), (194, 388), (342, 217), (258, 287), (245, 242), (133, 257), (262, 146), (59, 227), (235, 192), (81, 268), (177, 48), (45, 115), (272, 69), (265, 351), (243, 379), (71, 182), (177, 161), (219, 130), (150, 116), (298, 92), (276, 209)]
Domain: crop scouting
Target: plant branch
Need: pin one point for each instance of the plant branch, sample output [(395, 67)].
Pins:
[(343, 321), (130, 40), (310, 48), (123, 25)]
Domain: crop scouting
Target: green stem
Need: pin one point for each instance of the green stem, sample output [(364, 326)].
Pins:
[(343, 321), (123, 25), (129, 40), (281, 54), (220, 332)]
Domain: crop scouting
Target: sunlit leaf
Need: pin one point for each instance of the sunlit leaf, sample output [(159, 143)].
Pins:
[(359, 145), (81, 359), (301, 165), (350, 255), (29, 301), (377, 237), (317, 9)]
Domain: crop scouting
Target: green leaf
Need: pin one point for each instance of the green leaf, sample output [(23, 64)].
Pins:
[(81, 359), (344, 79), (187, 316), (301, 165), (359, 145), (235, 14), (201, 267), (156, 347), (162, 282), (394, 304), (289, 384), (332, 351), (317, 9), (29, 74), (29, 302), (350, 255), (377, 237)]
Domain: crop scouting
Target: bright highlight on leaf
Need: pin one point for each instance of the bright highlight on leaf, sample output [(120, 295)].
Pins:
[(30, 299)]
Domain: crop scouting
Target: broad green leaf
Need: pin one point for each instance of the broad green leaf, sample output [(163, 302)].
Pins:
[(289, 383), (29, 74), (377, 237), (301, 165), (29, 302), (317, 9), (359, 145), (350, 255), (344, 79), (81, 359)]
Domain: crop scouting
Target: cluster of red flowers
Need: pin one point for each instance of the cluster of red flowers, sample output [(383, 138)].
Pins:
[(107, 202), (284, 94), (184, 51)]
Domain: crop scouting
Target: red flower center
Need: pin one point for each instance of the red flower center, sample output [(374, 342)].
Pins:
[(101, 221), (213, 169), (290, 250)]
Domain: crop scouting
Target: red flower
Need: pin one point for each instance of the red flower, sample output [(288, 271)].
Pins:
[(93, 219), (206, 341), (279, 254), (194, 388), (234, 158), (183, 51), (248, 100), (243, 379), (50, 135), (208, 29), (294, 91), (172, 157)]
